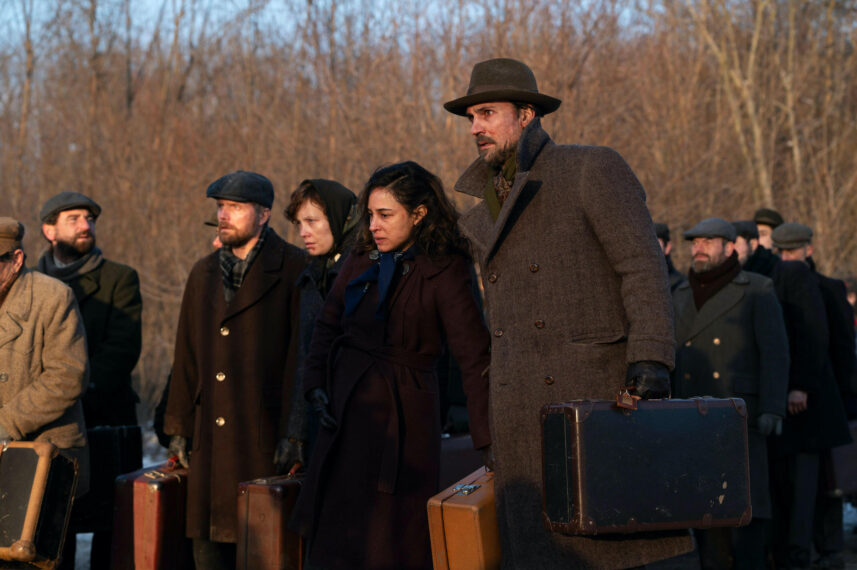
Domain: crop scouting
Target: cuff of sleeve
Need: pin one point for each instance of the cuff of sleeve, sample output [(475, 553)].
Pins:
[(651, 349)]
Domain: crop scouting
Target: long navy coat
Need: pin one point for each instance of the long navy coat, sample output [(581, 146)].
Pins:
[(363, 503)]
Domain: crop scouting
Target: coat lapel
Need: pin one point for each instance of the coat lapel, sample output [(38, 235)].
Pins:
[(16, 308), (720, 303), (85, 286), (685, 312), (263, 275)]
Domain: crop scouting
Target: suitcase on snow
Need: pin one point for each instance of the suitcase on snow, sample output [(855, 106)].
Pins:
[(264, 540), (37, 486), (670, 464), (463, 525), (149, 520)]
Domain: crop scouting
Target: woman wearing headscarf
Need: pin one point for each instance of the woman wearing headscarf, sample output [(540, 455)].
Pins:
[(324, 213), (370, 375)]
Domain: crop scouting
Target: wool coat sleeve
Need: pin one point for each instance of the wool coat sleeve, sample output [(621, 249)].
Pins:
[(117, 353), (806, 326), (64, 371), (770, 331), (615, 207), (469, 342)]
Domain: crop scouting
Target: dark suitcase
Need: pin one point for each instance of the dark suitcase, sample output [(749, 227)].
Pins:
[(37, 486), (149, 520), (113, 451), (264, 540), (839, 468), (669, 464)]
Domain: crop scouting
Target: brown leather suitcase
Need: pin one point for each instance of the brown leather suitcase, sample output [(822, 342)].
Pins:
[(463, 524), (264, 540), (149, 520), (37, 485), (670, 464)]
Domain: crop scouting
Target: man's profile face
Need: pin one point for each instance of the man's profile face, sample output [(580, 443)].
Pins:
[(765, 236), (73, 235), (239, 222), (10, 266), (742, 246), (710, 252), (497, 127)]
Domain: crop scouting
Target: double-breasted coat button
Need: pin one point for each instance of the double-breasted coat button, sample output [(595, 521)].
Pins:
[(220, 376), (716, 342), (224, 331), (220, 421), (716, 375), (549, 380), (4, 377), (540, 324), (492, 278), (687, 343), (498, 332), (534, 267)]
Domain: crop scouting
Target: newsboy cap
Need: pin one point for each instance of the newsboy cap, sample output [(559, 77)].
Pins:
[(711, 228), (243, 186), (662, 231), (791, 236), (768, 217), (502, 79), (68, 201), (746, 229), (11, 234)]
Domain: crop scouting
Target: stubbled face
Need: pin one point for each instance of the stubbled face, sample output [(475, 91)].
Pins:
[(496, 128), (799, 254), (391, 224), (73, 235), (765, 236), (709, 253), (238, 222), (314, 228)]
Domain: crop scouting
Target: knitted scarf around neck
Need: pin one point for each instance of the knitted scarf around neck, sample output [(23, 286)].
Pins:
[(72, 271), (706, 284)]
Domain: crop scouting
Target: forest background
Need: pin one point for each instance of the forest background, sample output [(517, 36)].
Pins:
[(719, 106)]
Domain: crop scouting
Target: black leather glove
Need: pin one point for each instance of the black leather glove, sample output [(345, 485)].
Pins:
[(289, 455), (769, 424), (649, 380), (321, 405), (488, 457), (178, 449)]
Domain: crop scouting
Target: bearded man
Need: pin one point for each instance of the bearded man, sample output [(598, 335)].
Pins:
[(732, 343), (576, 295), (234, 366)]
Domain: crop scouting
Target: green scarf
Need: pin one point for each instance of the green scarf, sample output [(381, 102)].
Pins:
[(507, 172)]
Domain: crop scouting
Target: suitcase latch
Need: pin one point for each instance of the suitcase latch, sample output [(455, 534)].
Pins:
[(465, 489)]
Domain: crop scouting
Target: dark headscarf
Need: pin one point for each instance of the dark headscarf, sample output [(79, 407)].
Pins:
[(340, 206)]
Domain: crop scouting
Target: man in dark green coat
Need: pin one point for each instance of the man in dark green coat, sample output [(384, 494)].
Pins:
[(108, 295), (732, 343)]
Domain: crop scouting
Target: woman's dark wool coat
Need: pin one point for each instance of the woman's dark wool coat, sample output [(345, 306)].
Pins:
[(575, 290), (363, 504), (234, 362)]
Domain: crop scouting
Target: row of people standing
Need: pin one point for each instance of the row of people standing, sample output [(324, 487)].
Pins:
[(566, 322), (771, 330)]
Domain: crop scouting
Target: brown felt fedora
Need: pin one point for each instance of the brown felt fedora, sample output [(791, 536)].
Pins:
[(502, 79)]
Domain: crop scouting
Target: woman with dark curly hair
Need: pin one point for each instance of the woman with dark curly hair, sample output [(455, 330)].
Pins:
[(402, 294)]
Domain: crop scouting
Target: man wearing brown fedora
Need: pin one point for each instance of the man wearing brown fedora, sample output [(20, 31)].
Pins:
[(577, 299)]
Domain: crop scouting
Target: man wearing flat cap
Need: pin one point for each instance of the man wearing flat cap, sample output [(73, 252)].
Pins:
[(794, 243), (576, 296), (732, 343), (767, 220), (43, 364), (233, 373)]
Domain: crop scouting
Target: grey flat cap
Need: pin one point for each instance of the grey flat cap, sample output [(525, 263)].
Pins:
[(746, 229), (711, 227), (243, 186), (68, 201), (11, 234), (768, 217), (791, 236), (662, 231)]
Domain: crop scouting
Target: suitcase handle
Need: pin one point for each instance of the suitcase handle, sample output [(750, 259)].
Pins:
[(627, 400)]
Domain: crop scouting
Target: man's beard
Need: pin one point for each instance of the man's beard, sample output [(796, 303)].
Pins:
[(703, 265), (236, 238), (498, 157), (74, 250)]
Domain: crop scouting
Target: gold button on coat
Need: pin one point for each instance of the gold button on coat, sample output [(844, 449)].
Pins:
[(224, 331), (717, 342), (716, 375), (498, 332), (534, 267), (540, 324), (220, 421), (220, 376), (549, 380), (492, 278), (687, 343)]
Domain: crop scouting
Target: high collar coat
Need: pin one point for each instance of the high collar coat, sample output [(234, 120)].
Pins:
[(735, 345), (232, 380), (575, 290)]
